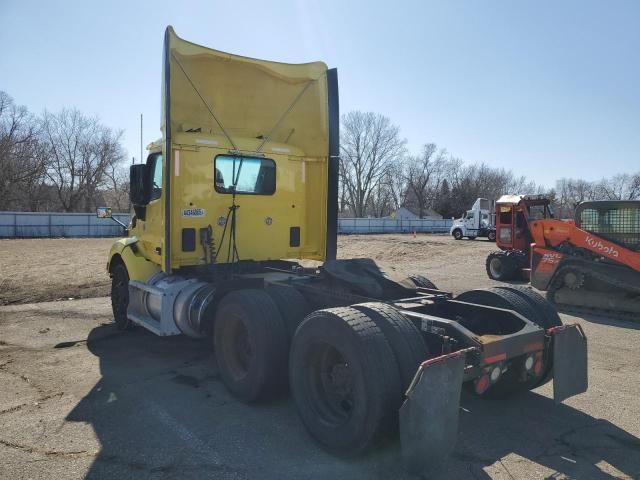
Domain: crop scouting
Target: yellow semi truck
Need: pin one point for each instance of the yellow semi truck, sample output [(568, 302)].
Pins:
[(244, 185)]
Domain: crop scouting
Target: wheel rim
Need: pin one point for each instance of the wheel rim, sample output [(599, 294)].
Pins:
[(495, 266), (574, 279), (237, 349), (330, 384)]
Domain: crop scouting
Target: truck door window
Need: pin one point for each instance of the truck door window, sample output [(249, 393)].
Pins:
[(245, 175), (156, 169)]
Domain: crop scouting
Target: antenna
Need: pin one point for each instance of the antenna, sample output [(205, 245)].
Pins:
[(141, 138)]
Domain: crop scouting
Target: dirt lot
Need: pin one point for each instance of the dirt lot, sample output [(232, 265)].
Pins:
[(79, 399), (39, 270)]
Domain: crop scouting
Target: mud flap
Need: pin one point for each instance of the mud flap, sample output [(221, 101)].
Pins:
[(569, 362), (429, 415)]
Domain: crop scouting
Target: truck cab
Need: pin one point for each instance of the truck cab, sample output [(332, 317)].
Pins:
[(477, 222)]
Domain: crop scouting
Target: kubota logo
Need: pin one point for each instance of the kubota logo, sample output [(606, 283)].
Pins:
[(604, 248)]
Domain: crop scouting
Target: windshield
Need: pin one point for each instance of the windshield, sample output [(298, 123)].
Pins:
[(538, 212)]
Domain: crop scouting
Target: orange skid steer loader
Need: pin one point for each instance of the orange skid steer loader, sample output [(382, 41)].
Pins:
[(590, 264)]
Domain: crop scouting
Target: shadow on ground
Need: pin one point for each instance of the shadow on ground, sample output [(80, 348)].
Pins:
[(160, 412)]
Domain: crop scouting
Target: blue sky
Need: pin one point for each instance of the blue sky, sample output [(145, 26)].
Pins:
[(547, 88)]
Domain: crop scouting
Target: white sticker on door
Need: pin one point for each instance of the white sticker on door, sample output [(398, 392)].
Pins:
[(193, 212)]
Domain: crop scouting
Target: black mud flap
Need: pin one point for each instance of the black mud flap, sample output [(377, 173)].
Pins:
[(569, 362), (429, 415)]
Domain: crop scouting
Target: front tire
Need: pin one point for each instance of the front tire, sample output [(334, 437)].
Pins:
[(457, 234), (492, 236), (120, 296), (501, 266)]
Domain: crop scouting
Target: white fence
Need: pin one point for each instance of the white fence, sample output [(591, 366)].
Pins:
[(46, 224), (392, 225), (49, 224)]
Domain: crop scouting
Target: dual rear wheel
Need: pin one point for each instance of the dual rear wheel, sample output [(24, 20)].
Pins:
[(347, 367)]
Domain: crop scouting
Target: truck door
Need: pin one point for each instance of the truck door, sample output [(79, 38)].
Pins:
[(471, 220), (152, 238), (504, 227)]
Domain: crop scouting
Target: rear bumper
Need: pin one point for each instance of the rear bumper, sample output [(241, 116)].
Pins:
[(430, 414)]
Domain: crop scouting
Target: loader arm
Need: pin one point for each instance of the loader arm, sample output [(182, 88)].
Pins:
[(553, 233)]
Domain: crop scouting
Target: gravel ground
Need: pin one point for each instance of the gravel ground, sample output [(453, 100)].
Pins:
[(39, 270), (81, 400)]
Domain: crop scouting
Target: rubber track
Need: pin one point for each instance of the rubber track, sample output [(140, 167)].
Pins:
[(615, 314)]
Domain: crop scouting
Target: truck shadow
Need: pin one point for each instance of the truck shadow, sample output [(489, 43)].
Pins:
[(159, 411)]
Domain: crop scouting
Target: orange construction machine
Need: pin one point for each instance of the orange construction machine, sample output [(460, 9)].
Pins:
[(590, 263)]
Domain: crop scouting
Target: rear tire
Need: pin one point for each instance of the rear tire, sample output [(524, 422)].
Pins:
[(250, 344), (292, 305), (501, 266), (421, 281), (344, 379), (403, 336), (502, 297), (547, 315), (120, 296)]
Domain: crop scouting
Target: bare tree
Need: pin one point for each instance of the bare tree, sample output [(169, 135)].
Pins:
[(424, 177), (396, 181), (80, 154), (21, 158), (116, 194), (369, 144)]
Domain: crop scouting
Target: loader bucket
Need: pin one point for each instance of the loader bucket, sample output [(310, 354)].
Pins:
[(429, 415), (569, 362)]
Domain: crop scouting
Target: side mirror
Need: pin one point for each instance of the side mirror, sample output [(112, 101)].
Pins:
[(139, 191), (103, 212)]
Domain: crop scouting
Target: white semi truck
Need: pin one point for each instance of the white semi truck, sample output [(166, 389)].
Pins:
[(477, 222)]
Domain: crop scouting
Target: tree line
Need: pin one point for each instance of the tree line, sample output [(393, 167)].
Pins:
[(378, 175), (70, 162), (65, 161)]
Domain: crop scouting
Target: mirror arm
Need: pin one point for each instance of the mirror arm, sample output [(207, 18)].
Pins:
[(119, 222)]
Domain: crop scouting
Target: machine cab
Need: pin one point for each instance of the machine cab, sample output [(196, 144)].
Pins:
[(513, 213)]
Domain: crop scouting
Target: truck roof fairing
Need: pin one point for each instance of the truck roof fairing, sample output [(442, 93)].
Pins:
[(218, 93)]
